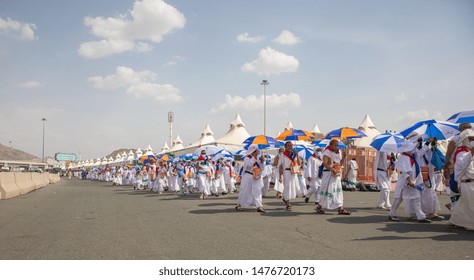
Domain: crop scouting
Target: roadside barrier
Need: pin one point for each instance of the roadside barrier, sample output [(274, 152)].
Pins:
[(8, 186)]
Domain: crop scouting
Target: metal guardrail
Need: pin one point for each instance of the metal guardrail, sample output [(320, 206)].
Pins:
[(10, 165)]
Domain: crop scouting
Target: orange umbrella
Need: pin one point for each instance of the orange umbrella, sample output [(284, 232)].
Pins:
[(295, 135)]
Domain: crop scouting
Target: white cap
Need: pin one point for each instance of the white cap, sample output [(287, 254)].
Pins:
[(252, 149)]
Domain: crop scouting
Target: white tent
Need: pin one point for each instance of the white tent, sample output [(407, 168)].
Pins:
[(206, 138), (178, 145), (368, 127), (236, 134)]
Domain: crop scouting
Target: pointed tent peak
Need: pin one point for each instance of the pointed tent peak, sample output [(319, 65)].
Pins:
[(178, 140), (118, 156), (237, 122), (111, 159), (124, 154), (104, 159), (165, 146), (139, 151), (207, 131), (366, 123), (131, 153), (149, 149), (289, 126), (315, 129)]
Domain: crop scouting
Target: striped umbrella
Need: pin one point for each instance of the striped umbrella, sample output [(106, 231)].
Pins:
[(345, 133), (295, 135), (262, 141), (441, 130), (304, 151), (325, 142), (462, 117), (388, 142)]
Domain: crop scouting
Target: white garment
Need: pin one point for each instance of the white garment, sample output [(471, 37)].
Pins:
[(250, 188), (314, 164), (382, 180), (290, 181), (331, 196)]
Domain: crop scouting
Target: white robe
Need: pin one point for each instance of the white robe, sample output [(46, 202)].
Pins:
[(463, 213), (331, 196), (250, 188)]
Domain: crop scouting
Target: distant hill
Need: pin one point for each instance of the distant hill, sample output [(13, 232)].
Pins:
[(7, 153)]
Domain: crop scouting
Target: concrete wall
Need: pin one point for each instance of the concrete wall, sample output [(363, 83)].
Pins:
[(13, 184), (8, 186)]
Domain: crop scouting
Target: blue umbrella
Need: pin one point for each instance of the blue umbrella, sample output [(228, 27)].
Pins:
[(325, 142), (462, 117), (241, 152), (388, 142), (304, 151), (345, 133), (441, 130), (262, 141)]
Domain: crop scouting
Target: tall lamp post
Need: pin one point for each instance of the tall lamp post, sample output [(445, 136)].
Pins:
[(42, 154), (265, 83)]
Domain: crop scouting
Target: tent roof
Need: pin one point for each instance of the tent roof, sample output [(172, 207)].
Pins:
[(315, 129), (236, 134), (368, 127), (289, 126)]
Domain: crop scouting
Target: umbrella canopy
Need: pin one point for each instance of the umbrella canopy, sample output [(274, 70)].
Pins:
[(221, 154), (147, 159), (304, 151), (188, 156), (325, 142), (241, 152), (295, 135), (388, 142), (210, 149), (261, 141), (462, 117), (441, 130), (345, 133), (165, 157)]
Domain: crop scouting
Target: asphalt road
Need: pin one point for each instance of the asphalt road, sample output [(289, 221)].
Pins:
[(94, 220)]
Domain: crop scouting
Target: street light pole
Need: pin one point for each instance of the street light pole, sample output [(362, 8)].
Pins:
[(265, 83), (42, 154)]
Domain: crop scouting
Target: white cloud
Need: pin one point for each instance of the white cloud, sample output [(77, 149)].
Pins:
[(138, 84), (245, 37), (287, 38), (270, 61), (252, 102), (174, 60), (400, 98), (22, 30), (31, 84), (148, 20), (420, 115)]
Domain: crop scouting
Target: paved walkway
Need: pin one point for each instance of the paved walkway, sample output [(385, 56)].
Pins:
[(94, 220)]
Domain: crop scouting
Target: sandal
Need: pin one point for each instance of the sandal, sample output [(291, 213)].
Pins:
[(319, 211), (238, 208), (343, 212), (288, 207)]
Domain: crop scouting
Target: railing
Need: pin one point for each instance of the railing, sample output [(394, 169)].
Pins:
[(10, 165)]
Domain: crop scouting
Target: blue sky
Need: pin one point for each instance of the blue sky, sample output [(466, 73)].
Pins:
[(105, 73)]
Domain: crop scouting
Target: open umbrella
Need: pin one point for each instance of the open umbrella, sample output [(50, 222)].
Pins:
[(210, 149), (188, 156), (165, 157), (221, 154), (295, 135), (441, 130), (388, 142), (262, 141), (325, 142), (304, 151), (147, 159), (462, 117), (345, 133)]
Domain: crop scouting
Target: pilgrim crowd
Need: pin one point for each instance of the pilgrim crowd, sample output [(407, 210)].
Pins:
[(420, 170)]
